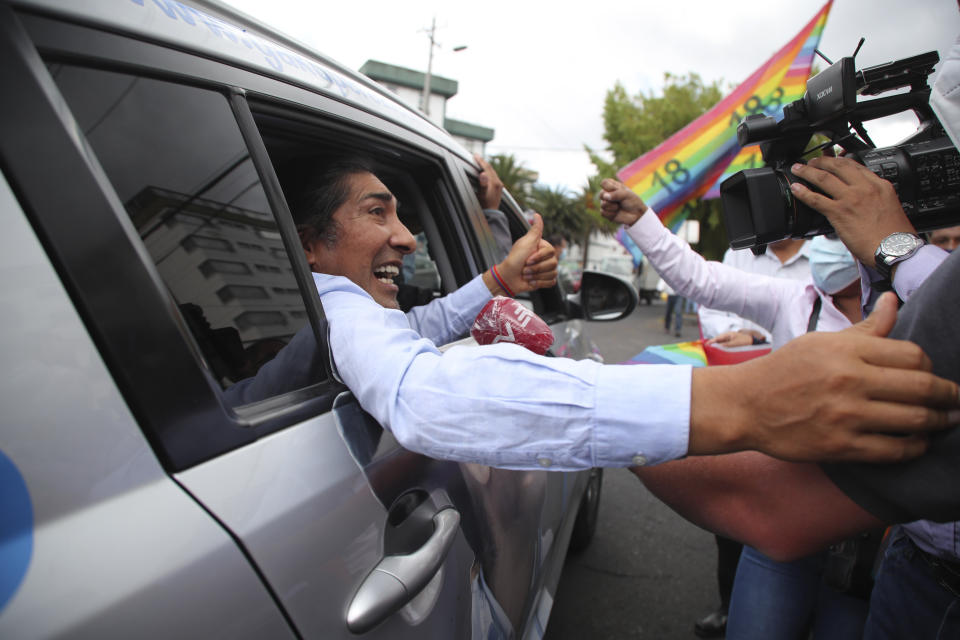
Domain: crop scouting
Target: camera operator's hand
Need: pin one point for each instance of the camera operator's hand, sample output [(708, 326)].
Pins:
[(620, 204), (846, 395), (862, 207)]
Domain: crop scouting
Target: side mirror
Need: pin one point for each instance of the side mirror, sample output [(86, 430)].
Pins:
[(604, 296)]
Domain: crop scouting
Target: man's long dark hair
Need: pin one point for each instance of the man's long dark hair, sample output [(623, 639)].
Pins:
[(326, 191)]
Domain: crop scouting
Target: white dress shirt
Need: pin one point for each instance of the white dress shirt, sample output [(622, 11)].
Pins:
[(713, 322), (499, 405), (779, 305)]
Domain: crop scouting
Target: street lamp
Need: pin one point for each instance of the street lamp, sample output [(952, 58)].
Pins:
[(425, 98)]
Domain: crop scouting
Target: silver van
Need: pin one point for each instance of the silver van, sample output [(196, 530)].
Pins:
[(149, 262)]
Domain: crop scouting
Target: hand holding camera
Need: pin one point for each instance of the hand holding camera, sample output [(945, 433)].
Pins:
[(862, 207), (921, 174)]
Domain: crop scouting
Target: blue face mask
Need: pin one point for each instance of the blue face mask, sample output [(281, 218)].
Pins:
[(831, 265)]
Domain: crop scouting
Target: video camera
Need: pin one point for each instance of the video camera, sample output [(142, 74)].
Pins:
[(758, 207)]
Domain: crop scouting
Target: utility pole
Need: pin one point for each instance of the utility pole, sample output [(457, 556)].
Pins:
[(432, 33), (425, 100)]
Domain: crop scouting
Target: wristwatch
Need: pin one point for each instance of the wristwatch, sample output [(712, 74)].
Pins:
[(894, 248)]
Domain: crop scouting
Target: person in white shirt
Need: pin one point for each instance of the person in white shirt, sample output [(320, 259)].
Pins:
[(781, 306), (784, 259), (770, 599)]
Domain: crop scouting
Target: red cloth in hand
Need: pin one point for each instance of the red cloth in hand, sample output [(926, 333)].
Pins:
[(506, 320)]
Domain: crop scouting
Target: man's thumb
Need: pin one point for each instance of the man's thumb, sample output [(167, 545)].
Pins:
[(881, 320), (535, 232)]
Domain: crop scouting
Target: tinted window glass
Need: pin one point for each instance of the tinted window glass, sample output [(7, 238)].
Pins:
[(177, 160)]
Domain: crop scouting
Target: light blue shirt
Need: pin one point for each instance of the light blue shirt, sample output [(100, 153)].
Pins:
[(499, 405)]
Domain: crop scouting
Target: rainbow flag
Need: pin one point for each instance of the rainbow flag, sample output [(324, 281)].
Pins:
[(698, 354), (680, 353), (692, 162), (635, 254)]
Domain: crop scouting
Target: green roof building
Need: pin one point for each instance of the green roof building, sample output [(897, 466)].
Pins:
[(409, 84)]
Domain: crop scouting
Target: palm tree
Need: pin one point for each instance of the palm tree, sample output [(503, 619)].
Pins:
[(516, 178), (562, 212)]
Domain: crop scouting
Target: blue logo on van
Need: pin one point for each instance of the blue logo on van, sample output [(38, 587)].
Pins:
[(16, 529)]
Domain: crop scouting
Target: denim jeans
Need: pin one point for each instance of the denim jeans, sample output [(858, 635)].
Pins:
[(674, 313), (784, 600), (907, 601)]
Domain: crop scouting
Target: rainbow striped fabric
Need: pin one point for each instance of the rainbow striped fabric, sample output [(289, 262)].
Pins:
[(630, 246), (692, 162), (680, 353)]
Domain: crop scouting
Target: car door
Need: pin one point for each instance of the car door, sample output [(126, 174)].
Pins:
[(500, 509), (316, 505), (194, 282), (97, 539), (563, 493)]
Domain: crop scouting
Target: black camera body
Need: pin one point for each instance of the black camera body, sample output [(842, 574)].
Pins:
[(758, 206)]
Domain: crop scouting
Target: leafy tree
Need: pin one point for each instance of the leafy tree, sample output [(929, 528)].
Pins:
[(516, 178), (635, 125)]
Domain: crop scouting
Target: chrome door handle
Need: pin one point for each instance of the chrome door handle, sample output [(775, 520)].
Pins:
[(396, 580)]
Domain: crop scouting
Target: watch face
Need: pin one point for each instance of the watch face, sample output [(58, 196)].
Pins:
[(898, 244)]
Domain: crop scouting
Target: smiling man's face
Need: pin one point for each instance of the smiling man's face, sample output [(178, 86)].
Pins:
[(370, 241)]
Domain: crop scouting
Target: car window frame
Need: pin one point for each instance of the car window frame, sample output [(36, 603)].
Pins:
[(548, 302)]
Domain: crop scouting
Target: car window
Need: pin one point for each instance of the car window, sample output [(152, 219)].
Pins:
[(420, 280), (176, 158), (419, 269)]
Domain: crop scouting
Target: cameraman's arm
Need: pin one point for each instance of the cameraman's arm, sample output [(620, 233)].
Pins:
[(864, 209)]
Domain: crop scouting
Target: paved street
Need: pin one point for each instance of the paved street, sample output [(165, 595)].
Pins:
[(648, 573)]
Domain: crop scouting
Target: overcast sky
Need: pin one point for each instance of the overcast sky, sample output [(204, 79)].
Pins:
[(537, 73)]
